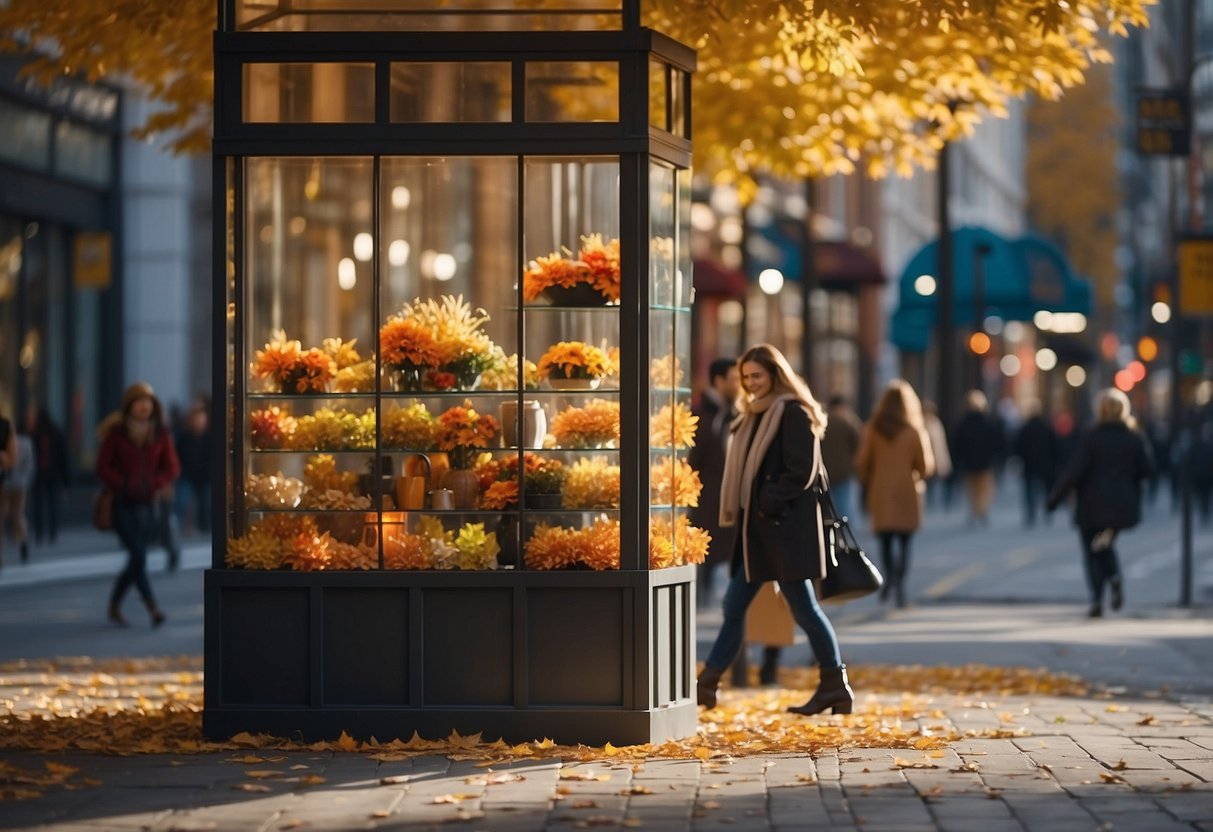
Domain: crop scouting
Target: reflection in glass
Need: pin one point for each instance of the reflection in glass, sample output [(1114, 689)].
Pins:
[(583, 91), (658, 96), (316, 93), (451, 92)]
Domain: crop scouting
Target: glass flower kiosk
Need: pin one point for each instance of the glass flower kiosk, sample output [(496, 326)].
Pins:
[(454, 258)]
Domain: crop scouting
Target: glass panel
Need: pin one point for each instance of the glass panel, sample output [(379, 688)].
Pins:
[(318, 93), (450, 92), (571, 290), (583, 91), (659, 83), (82, 153), (680, 103), (26, 136), (449, 254), (684, 292), (661, 235), (416, 15)]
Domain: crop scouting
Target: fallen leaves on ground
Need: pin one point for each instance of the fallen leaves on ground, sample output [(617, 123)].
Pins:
[(154, 706), (18, 783)]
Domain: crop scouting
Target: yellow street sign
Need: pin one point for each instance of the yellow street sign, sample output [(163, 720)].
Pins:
[(1196, 277)]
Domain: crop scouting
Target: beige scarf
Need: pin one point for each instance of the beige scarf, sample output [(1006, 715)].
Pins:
[(762, 422)]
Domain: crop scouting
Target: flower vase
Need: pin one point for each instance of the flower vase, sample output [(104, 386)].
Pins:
[(465, 486), (560, 382), (543, 502), (467, 377), (579, 294), (534, 424), (405, 378)]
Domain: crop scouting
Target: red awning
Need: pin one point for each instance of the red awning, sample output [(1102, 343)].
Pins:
[(716, 279), (843, 266)]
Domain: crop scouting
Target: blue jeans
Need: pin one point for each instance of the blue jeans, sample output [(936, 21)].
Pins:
[(805, 610), (843, 494)]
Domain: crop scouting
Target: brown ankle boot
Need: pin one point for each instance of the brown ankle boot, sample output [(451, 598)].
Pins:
[(705, 686), (833, 692)]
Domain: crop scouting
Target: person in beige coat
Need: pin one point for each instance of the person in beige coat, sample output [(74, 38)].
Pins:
[(893, 463)]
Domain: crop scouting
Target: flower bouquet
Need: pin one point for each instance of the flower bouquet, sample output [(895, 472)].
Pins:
[(591, 483), (437, 345), (592, 278), (543, 478), (596, 425), (677, 545), (288, 368), (575, 365), (673, 427), (672, 482), (461, 430), (555, 547)]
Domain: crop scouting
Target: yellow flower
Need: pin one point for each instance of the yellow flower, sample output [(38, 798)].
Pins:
[(591, 483), (674, 482), (673, 427), (575, 359), (477, 549), (596, 424)]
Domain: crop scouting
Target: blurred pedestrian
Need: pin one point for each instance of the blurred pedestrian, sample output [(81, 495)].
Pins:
[(138, 463), (893, 463), (1107, 475), (51, 476), (1036, 447), (838, 449), (716, 409), (977, 448), (193, 488), (773, 456), (13, 493), (940, 485)]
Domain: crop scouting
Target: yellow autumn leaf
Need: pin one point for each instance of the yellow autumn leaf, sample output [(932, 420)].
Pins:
[(347, 743)]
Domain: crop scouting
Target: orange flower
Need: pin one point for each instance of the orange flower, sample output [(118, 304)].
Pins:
[(271, 427), (594, 425), (500, 495), (575, 359), (674, 482), (290, 368), (554, 547), (402, 550), (591, 483), (685, 544), (278, 359), (461, 429), (407, 341), (602, 261), (596, 264)]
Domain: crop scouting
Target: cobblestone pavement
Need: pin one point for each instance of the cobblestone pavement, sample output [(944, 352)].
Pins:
[(1042, 763)]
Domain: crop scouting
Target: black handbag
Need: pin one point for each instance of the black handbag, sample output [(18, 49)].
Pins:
[(849, 572)]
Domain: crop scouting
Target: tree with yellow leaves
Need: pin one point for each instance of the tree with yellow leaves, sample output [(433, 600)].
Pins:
[(1073, 189), (791, 88)]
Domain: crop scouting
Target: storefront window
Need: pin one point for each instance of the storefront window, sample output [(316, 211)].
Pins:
[(82, 153), (26, 136)]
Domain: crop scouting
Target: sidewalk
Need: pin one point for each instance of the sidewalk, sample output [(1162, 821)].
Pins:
[(927, 749), (81, 553)]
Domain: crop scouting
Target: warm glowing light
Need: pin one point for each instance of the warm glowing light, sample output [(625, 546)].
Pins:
[(444, 267), (1124, 380), (770, 281), (1147, 348), (925, 285), (1108, 345), (401, 197), (398, 252), (1010, 365), (1043, 320), (347, 274), (364, 246), (1046, 359), (1136, 371), (1161, 312), (1076, 376), (730, 313), (979, 343)]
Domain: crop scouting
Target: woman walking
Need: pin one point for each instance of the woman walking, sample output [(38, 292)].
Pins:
[(893, 463), (137, 463), (773, 457), (1107, 473)]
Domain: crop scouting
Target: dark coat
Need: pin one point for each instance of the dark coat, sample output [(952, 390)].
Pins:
[(977, 443), (784, 530), (707, 457), (1107, 474), (840, 444), (1037, 448)]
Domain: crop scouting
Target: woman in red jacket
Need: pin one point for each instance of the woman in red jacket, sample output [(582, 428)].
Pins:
[(137, 462)]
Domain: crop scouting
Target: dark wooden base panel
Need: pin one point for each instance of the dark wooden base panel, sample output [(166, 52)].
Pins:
[(577, 657)]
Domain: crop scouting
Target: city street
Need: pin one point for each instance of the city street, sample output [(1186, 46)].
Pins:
[(1005, 596)]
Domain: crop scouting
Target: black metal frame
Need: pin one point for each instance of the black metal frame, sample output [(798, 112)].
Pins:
[(291, 685)]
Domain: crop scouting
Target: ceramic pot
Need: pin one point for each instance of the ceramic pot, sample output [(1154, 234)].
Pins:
[(579, 294), (465, 488), (534, 424)]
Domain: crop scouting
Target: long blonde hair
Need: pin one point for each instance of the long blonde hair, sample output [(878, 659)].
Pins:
[(784, 380), (1113, 406), (898, 408)]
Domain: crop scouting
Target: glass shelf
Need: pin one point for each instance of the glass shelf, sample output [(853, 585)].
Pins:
[(660, 307), (541, 308), (302, 510), (362, 451), (310, 396)]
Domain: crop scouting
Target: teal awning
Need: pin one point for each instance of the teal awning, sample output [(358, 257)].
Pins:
[(1019, 278)]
